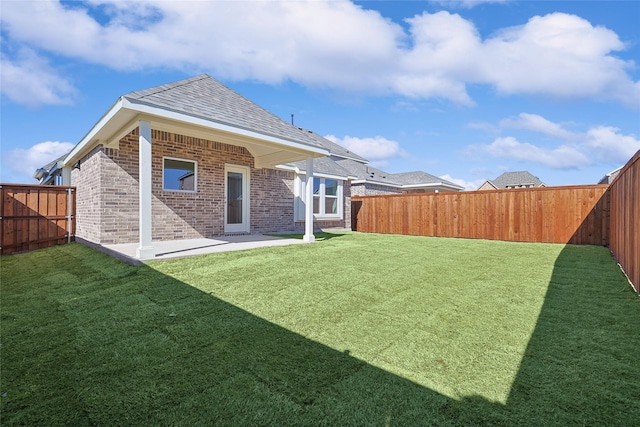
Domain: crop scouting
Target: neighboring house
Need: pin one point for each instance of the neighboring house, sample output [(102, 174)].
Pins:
[(608, 178), (194, 159), (521, 179), (50, 174), (369, 181)]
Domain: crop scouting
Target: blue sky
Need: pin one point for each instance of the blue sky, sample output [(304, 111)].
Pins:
[(465, 90)]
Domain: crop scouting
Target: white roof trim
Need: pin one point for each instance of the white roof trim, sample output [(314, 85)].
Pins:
[(123, 104), (386, 184), (80, 146), (324, 175)]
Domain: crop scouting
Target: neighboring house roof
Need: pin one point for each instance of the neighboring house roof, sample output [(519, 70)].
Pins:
[(46, 174), (344, 163), (514, 179), (324, 166), (608, 178), (411, 178), (364, 172), (487, 185)]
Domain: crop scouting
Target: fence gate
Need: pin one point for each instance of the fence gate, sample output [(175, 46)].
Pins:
[(36, 216)]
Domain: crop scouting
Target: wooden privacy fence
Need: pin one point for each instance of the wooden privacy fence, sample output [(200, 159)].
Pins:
[(625, 219), (35, 216), (577, 214)]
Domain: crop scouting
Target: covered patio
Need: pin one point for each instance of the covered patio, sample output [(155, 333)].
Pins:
[(127, 252), (219, 141)]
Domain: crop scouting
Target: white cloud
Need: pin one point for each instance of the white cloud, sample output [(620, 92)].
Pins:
[(609, 145), (562, 157), (539, 124), (332, 44), (468, 185), (468, 4), (596, 145), (31, 81), (377, 149), (559, 55), (22, 163)]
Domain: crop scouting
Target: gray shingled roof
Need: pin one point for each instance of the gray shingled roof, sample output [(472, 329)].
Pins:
[(365, 172), (608, 178), (324, 165), (334, 149), (509, 179), (419, 177), (205, 97)]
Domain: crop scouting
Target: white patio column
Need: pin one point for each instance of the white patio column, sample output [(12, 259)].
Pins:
[(145, 250), (308, 206)]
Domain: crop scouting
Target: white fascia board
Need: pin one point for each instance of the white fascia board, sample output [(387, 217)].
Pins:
[(288, 168), (197, 121), (302, 172), (367, 181), (86, 140), (323, 175), (365, 162)]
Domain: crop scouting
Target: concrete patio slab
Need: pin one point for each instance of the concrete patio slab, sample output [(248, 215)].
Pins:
[(190, 247)]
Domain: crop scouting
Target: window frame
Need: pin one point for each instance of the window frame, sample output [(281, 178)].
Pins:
[(195, 175), (322, 197)]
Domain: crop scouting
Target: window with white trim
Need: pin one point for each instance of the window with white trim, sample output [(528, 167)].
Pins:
[(179, 175), (327, 198)]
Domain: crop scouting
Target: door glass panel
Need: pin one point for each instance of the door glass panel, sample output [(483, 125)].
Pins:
[(234, 198)]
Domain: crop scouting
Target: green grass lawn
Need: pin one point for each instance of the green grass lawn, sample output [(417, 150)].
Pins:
[(356, 329)]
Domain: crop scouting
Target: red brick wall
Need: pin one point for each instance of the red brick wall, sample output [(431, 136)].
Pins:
[(108, 191)]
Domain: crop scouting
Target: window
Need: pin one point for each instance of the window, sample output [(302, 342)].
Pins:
[(327, 198), (179, 175)]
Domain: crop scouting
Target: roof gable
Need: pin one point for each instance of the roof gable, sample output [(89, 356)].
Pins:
[(419, 177), (509, 179), (204, 97)]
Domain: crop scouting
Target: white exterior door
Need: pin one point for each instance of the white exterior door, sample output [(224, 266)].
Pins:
[(236, 212)]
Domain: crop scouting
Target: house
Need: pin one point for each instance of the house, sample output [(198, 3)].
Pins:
[(608, 178), (521, 179), (195, 159), (185, 160), (50, 174), (369, 181)]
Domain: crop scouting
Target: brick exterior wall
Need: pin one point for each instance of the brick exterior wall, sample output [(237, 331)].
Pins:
[(107, 198), (368, 189), (88, 189)]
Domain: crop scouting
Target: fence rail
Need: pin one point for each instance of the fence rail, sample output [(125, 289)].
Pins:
[(625, 219), (578, 214), (35, 216)]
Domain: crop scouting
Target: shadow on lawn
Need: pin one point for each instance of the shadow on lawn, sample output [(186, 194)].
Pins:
[(180, 356)]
